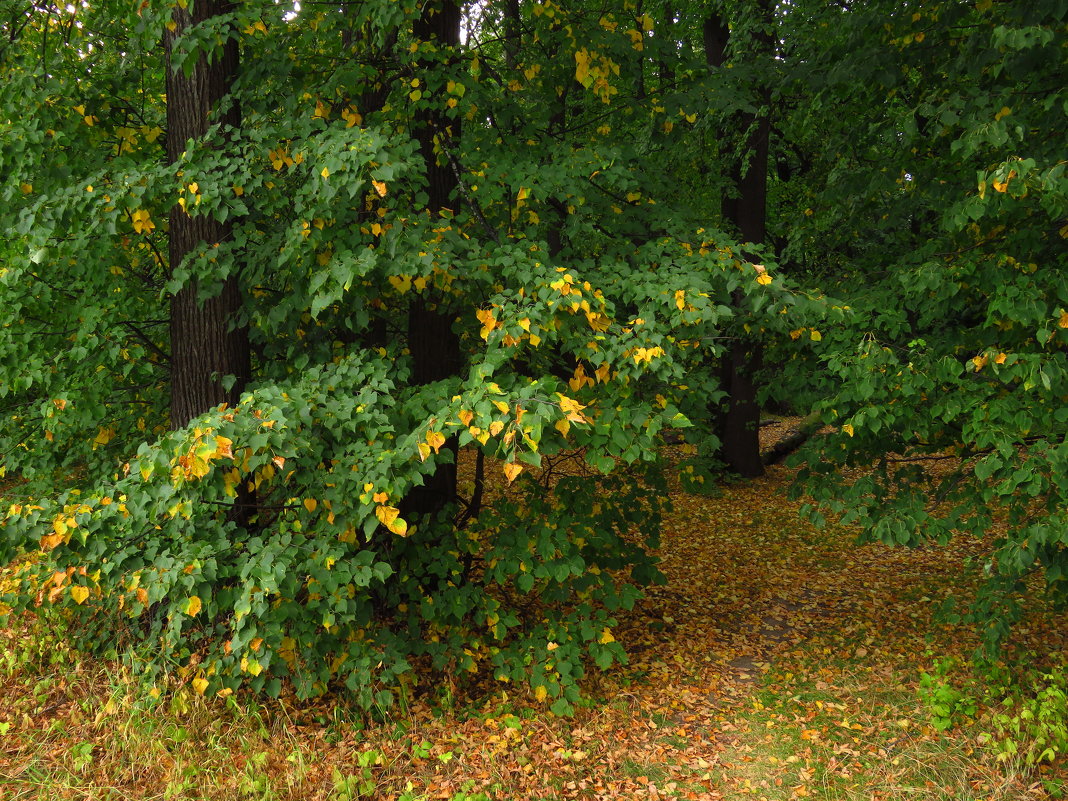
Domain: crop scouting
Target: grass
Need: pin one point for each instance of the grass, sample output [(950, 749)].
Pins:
[(778, 663)]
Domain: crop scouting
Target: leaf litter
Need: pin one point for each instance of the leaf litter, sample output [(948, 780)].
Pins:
[(778, 662)]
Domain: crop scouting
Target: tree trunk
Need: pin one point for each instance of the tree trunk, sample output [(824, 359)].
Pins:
[(512, 33), (434, 346), (739, 427), (665, 65), (207, 344)]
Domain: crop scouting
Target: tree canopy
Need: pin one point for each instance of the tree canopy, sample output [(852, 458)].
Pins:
[(271, 273)]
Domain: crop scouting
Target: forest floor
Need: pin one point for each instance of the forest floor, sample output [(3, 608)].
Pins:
[(778, 662)]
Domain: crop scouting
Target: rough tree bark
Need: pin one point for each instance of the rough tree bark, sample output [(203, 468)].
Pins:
[(207, 344), (434, 346), (739, 424)]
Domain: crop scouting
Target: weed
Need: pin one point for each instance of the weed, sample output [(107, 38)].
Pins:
[(1029, 729), (947, 703)]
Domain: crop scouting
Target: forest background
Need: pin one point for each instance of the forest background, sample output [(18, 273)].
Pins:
[(268, 270)]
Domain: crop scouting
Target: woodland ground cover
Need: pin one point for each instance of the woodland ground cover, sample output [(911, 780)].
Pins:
[(299, 302), (809, 666)]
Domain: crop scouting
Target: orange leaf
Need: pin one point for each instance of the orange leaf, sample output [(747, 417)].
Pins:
[(512, 471), (222, 448)]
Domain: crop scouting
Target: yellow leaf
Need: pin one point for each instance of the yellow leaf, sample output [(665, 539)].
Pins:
[(495, 428), (351, 117), (763, 279), (1063, 322), (380, 497), (563, 426), (466, 416), (79, 593), (488, 320), (142, 222), (848, 429), (380, 187), (540, 693), (1000, 358), (680, 299), (25, 188), (310, 504), (1004, 112), (606, 637), (200, 684), (387, 515), (402, 283), (325, 172), (815, 335), (435, 439), (979, 362), (424, 451), (512, 471), (193, 607), (501, 406), (399, 527), (572, 408)]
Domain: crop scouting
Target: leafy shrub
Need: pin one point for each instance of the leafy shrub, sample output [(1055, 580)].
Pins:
[(1029, 728), (947, 703), (329, 585)]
